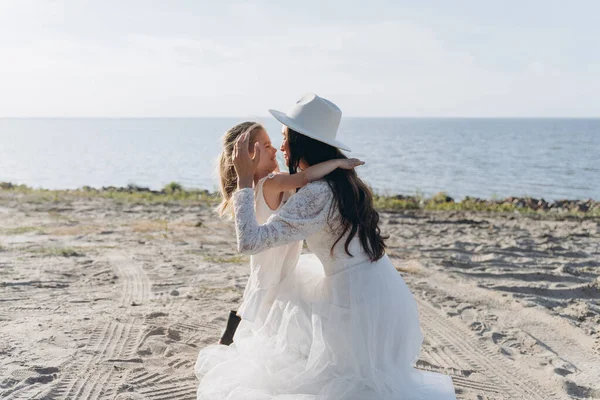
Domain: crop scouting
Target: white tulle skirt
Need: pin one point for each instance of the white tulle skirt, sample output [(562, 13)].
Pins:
[(353, 335)]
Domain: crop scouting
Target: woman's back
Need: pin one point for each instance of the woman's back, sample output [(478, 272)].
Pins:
[(320, 202)]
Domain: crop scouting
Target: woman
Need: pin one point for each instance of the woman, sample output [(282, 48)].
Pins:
[(343, 328), (271, 189)]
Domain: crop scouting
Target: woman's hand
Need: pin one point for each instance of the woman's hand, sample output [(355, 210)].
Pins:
[(245, 166), (349, 163)]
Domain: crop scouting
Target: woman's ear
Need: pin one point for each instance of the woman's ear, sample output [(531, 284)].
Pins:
[(302, 164)]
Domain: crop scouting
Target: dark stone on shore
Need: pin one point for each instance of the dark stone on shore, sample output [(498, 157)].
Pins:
[(444, 199), (519, 203), (582, 207), (475, 200), (134, 188), (542, 204)]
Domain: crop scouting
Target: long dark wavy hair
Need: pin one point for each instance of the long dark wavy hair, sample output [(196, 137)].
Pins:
[(353, 197)]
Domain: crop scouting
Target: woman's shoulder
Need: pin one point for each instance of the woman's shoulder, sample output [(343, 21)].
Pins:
[(313, 200), (319, 188), (320, 184)]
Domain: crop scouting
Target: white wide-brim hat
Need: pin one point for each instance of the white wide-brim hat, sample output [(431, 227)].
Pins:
[(315, 117)]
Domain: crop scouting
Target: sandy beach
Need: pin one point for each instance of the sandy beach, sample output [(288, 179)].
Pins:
[(105, 299)]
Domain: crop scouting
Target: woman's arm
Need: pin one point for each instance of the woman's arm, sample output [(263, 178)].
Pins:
[(305, 213), (283, 182)]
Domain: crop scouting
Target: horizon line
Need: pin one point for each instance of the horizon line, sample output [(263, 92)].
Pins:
[(269, 116)]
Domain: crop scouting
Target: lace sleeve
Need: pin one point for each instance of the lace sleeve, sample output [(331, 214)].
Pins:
[(304, 214)]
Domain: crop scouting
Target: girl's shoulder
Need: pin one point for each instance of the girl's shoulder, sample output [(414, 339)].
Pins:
[(271, 176), (258, 188), (261, 182), (262, 206)]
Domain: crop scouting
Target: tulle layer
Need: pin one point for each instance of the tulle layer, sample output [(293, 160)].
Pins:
[(349, 336), (267, 270)]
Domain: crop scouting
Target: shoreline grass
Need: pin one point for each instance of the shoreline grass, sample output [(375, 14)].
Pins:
[(518, 205), (175, 193)]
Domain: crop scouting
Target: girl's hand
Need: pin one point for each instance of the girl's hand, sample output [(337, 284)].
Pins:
[(245, 166), (349, 163)]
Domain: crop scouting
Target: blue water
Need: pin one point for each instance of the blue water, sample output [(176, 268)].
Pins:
[(549, 158)]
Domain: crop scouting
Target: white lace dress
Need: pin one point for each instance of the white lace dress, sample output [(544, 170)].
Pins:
[(340, 327), (267, 268)]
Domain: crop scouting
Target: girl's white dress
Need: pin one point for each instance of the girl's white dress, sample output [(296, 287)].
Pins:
[(267, 268), (339, 327)]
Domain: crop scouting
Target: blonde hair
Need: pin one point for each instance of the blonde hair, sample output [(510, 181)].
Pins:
[(227, 175)]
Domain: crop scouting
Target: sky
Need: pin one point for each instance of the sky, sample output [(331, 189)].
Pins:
[(154, 58)]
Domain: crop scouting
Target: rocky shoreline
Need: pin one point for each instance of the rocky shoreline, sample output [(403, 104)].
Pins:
[(440, 201), (528, 203), (168, 189)]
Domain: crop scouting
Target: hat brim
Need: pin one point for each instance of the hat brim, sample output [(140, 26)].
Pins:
[(290, 123)]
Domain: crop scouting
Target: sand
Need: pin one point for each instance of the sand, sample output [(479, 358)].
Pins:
[(108, 300)]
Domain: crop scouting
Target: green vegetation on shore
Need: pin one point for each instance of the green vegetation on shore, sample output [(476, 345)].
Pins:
[(523, 205), (56, 252), (175, 193)]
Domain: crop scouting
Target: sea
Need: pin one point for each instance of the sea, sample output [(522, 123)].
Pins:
[(482, 157)]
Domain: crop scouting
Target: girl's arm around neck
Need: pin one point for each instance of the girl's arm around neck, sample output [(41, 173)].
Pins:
[(283, 182)]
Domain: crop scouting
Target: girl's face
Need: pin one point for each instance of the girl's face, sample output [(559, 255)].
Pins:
[(268, 161)]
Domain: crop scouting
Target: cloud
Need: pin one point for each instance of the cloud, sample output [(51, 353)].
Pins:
[(241, 60)]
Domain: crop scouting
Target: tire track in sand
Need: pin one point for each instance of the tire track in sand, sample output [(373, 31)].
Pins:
[(94, 375), (500, 381)]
